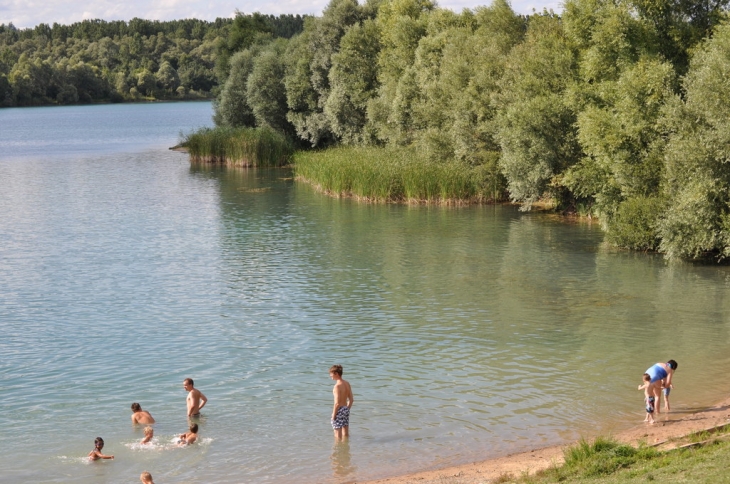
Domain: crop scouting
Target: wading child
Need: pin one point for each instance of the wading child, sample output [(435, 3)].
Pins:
[(649, 399), (148, 434), (189, 437), (96, 453)]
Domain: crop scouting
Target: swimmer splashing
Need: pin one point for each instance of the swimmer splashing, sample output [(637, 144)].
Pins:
[(96, 453)]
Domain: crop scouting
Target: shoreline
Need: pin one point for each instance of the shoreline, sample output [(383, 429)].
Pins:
[(666, 434)]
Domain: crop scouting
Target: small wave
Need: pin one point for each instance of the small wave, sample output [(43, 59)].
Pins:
[(154, 444), (75, 460)]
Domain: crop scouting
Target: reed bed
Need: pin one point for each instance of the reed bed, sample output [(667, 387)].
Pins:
[(396, 175), (239, 146)]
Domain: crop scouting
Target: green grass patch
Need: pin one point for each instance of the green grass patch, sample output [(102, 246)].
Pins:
[(239, 146), (605, 461), (397, 175)]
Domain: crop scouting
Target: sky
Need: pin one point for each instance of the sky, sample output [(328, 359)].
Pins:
[(29, 13)]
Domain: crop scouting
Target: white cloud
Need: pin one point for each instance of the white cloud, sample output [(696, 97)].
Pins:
[(29, 13)]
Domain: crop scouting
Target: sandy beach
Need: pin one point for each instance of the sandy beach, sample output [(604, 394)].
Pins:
[(667, 433)]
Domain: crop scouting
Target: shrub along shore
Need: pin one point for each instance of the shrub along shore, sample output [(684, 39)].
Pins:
[(373, 174)]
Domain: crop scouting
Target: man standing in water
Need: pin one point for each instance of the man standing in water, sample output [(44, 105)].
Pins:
[(195, 397), (343, 402)]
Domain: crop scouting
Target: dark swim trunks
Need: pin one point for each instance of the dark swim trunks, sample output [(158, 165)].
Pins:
[(342, 418), (650, 405)]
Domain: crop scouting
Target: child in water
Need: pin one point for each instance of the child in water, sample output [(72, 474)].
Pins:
[(146, 478), (190, 437), (148, 434), (648, 388), (96, 453)]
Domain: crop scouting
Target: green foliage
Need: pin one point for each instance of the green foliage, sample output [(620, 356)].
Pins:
[(599, 458), (266, 92), (239, 146), (95, 60), (536, 124), (233, 108), (394, 174), (697, 222)]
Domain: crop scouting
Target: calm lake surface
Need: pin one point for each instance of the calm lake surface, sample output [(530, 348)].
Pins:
[(466, 333)]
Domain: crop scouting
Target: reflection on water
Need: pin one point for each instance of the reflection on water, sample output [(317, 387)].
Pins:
[(343, 469), (466, 332)]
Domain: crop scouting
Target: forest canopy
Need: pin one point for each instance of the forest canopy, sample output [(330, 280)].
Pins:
[(99, 61)]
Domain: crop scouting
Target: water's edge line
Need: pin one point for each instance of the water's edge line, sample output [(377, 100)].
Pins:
[(538, 459)]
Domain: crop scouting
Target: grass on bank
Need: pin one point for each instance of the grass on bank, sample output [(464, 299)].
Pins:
[(397, 175), (238, 146), (606, 461)]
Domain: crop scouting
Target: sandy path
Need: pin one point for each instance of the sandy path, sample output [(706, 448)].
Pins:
[(668, 426)]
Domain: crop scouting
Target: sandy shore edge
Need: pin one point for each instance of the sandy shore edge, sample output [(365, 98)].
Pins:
[(669, 426)]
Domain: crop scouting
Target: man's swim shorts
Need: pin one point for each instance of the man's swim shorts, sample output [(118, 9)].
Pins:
[(342, 418)]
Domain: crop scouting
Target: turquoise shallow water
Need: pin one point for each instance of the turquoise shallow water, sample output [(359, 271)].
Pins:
[(466, 333)]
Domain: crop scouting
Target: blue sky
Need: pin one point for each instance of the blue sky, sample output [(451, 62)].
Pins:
[(29, 13)]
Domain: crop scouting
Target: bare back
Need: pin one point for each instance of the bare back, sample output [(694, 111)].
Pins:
[(342, 393), (142, 417)]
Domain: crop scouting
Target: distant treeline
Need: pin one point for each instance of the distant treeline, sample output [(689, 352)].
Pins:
[(97, 61), (616, 108)]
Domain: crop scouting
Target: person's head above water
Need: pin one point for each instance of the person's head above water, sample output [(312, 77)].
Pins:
[(194, 428), (99, 443), (148, 430), (672, 364), (136, 407), (336, 369), (188, 382)]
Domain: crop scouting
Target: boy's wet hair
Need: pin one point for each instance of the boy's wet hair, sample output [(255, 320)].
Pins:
[(146, 476), (148, 430), (194, 428), (336, 369), (98, 442), (647, 377), (136, 407), (672, 364)]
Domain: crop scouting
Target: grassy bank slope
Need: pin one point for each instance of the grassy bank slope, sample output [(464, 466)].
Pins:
[(397, 175)]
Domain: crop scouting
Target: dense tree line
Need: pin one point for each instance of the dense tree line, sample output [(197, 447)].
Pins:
[(95, 60), (616, 108)]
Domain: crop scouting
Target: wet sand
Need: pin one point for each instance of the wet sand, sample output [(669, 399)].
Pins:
[(665, 434)]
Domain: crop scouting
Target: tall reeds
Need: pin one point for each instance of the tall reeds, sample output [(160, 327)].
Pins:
[(396, 175), (239, 146)]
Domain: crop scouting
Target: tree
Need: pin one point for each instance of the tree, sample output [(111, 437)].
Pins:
[(265, 90), (233, 108), (535, 123), (697, 220), (353, 80), (167, 77)]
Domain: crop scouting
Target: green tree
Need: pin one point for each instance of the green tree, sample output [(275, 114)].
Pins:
[(535, 122), (353, 81), (265, 90), (697, 220), (167, 77), (233, 108), (402, 24)]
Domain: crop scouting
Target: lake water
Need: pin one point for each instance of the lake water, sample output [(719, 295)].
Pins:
[(466, 332)]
